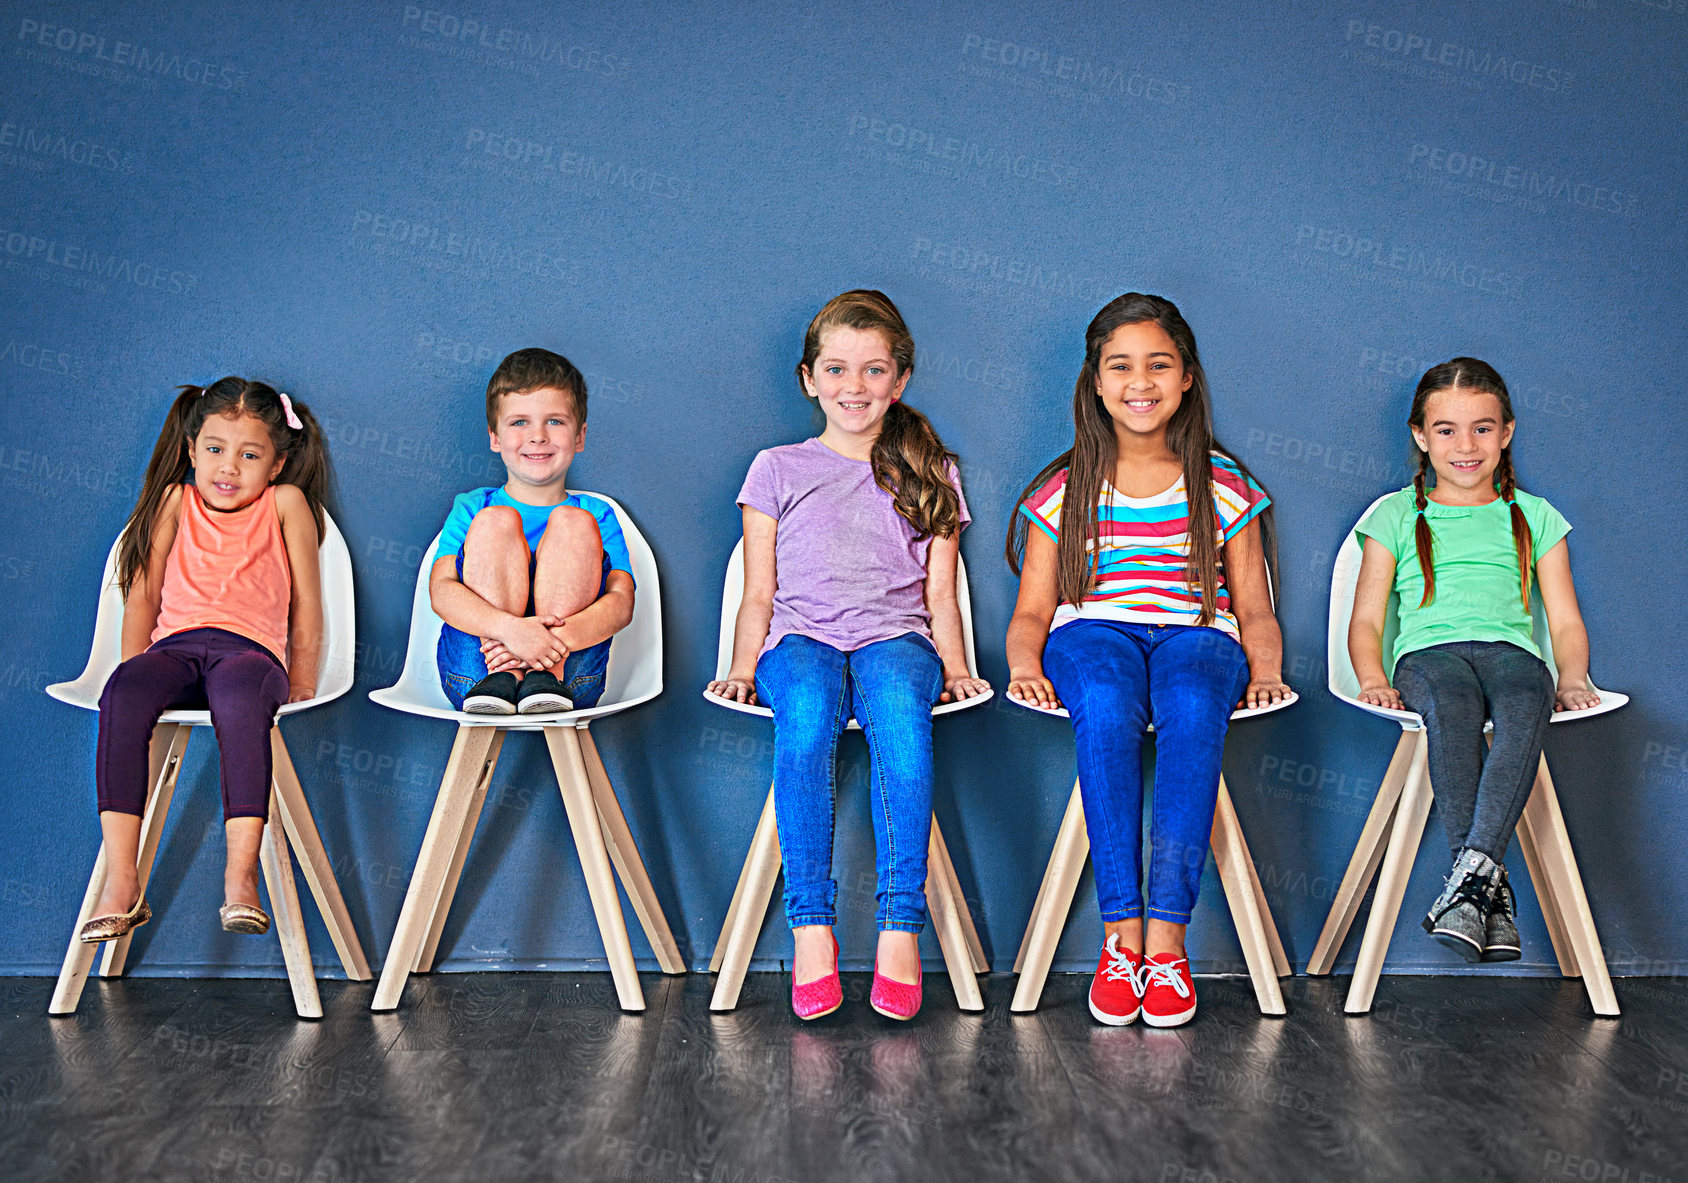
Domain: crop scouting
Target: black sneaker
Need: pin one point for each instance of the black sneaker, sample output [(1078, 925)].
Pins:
[(1500, 932), (494, 694), (1458, 917), (541, 694)]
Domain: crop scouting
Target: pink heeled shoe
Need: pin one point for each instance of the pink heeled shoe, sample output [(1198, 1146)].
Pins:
[(895, 1000), (820, 997)]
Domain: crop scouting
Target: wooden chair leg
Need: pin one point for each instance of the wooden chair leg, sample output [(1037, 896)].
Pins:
[(314, 861), (448, 889), (79, 958), (1552, 912), (1405, 835), (570, 767), (1049, 917), (1553, 844), (1246, 912), (1049, 875), (169, 742), (946, 905), (943, 862), (624, 853), (750, 908), (1368, 853), (1274, 943), (467, 767), (288, 919)]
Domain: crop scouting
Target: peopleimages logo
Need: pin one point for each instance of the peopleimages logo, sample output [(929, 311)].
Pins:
[(966, 153), (24, 248), (48, 144), (1466, 59), (1011, 60), (129, 55), (1407, 262), (471, 35), (1452, 167)]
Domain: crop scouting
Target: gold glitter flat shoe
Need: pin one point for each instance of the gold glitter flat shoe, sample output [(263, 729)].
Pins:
[(109, 928), (245, 918)]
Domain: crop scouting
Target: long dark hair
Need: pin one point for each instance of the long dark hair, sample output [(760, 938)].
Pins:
[(909, 461), (1090, 461), (1468, 373), (305, 448)]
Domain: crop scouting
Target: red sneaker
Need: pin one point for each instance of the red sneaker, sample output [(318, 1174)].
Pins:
[(1169, 996), (1115, 996)]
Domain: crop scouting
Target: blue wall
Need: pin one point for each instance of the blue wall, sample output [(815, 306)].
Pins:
[(370, 207)]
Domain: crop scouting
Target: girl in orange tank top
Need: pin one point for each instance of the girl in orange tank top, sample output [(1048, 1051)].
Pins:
[(222, 610)]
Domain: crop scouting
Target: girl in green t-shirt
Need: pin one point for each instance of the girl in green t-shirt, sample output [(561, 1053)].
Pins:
[(1462, 556)]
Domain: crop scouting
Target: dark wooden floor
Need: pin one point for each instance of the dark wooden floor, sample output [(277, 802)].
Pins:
[(538, 1076)]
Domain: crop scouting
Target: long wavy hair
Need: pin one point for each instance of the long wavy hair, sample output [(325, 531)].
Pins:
[(1091, 459), (1467, 373), (306, 450), (909, 461)]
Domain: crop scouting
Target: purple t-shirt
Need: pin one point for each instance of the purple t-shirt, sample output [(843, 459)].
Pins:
[(850, 570)]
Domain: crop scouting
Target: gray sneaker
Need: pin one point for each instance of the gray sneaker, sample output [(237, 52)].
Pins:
[(1500, 933), (1458, 917)]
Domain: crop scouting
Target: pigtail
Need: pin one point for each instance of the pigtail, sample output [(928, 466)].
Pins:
[(307, 465), (1424, 542), (1523, 540), (911, 463), (165, 471)]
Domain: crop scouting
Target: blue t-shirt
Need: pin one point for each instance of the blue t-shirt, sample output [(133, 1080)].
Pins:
[(534, 520)]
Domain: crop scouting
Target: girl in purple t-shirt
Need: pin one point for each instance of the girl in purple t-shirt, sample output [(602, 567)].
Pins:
[(851, 541)]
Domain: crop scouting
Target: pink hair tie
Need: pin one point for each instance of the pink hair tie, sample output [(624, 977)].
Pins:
[(292, 418)]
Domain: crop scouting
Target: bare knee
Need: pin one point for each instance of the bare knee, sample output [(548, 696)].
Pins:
[(573, 529), (496, 527)]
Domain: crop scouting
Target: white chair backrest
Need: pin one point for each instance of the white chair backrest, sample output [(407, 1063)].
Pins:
[(732, 595), (334, 674), (635, 668), (1339, 666)]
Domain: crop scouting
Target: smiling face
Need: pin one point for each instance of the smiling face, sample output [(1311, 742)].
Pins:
[(234, 460), (1141, 379), (1464, 434), (538, 436), (855, 381)]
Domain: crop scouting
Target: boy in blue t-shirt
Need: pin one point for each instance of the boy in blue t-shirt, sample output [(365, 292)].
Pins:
[(531, 581)]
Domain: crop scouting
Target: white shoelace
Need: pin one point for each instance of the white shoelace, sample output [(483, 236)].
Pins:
[(1156, 973), (1119, 965)]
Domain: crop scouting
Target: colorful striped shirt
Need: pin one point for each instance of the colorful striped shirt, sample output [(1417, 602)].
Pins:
[(1145, 547)]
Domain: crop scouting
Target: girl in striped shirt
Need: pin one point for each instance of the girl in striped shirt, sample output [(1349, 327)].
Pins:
[(1129, 618)]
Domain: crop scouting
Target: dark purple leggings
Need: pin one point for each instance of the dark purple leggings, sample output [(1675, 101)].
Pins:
[(239, 680)]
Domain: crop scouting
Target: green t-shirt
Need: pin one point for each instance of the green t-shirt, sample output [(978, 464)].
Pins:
[(1477, 589)]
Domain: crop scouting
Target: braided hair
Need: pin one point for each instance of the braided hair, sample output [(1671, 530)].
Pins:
[(1468, 373)]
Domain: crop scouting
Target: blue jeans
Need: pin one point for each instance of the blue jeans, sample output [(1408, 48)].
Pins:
[(890, 687), (1115, 679), (1454, 687), (462, 663)]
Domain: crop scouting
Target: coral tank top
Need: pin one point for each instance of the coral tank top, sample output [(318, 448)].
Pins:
[(228, 571)]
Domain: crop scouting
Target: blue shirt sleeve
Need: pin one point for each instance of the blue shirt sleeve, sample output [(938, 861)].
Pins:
[(616, 557), (456, 527)]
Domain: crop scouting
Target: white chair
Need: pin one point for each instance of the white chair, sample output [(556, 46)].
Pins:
[(1395, 825), (289, 812), (600, 830), (964, 956), (1256, 933)]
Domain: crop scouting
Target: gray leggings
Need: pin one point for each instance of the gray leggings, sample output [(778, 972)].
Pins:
[(1454, 687)]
